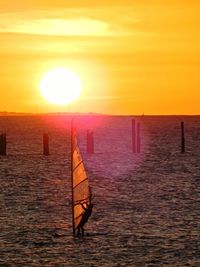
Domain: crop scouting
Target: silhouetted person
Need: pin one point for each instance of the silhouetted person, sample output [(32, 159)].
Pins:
[(86, 214), (87, 211)]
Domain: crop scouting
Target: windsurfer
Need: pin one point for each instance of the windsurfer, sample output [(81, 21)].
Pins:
[(85, 216)]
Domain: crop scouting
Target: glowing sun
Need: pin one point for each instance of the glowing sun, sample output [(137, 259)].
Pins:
[(60, 86)]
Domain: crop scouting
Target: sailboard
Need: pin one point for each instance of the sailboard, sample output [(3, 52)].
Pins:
[(81, 192)]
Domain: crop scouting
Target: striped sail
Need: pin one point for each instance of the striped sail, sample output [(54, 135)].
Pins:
[(80, 182)]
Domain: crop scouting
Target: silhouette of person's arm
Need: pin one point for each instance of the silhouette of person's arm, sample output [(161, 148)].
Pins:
[(82, 204)]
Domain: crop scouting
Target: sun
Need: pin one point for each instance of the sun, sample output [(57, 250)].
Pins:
[(60, 86)]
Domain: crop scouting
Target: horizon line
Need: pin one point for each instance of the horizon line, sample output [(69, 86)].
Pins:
[(16, 113)]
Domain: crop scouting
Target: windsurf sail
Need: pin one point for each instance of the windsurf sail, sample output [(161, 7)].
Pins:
[(81, 193)]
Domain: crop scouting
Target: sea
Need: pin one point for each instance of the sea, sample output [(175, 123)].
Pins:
[(146, 205)]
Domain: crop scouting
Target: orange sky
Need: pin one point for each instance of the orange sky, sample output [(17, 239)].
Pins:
[(134, 57)]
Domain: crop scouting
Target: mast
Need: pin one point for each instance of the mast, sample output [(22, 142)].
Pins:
[(72, 182)]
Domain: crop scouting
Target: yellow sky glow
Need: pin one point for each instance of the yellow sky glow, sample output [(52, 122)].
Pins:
[(133, 57)]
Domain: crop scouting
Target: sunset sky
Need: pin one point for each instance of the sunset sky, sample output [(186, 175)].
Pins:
[(133, 57)]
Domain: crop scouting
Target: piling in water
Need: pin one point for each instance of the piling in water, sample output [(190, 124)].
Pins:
[(3, 144), (182, 137), (133, 136), (138, 138), (45, 144), (90, 142)]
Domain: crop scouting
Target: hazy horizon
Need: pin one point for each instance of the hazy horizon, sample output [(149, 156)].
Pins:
[(7, 113)]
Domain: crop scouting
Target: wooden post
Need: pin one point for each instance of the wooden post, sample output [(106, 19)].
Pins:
[(90, 142), (133, 136), (3, 144), (45, 144), (182, 137), (138, 138), (87, 141)]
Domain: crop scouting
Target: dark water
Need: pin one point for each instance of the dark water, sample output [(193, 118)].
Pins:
[(147, 206)]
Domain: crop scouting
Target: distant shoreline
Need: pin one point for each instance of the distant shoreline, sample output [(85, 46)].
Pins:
[(24, 114), (10, 114)]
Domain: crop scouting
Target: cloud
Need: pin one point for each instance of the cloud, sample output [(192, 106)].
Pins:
[(73, 30), (56, 27), (108, 97), (69, 22)]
